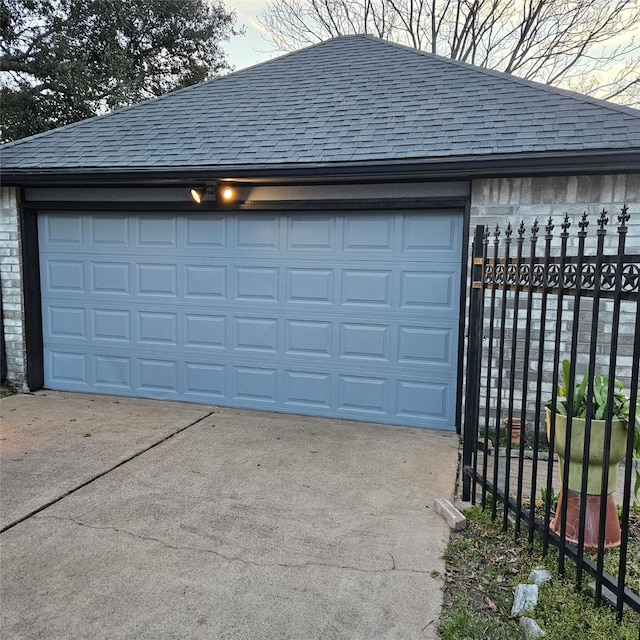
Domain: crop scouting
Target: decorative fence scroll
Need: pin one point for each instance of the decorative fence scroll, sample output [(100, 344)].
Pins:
[(562, 272)]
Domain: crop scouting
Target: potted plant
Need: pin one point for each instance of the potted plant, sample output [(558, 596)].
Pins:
[(618, 446)]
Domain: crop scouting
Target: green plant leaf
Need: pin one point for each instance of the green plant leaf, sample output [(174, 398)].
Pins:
[(581, 390), (566, 370)]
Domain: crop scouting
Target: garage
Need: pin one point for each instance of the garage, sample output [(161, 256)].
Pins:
[(332, 284), (332, 313)]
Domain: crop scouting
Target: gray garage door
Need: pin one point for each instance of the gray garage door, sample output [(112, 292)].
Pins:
[(347, 315)]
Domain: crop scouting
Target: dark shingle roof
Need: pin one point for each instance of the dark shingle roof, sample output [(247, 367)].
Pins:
[(348, 100)]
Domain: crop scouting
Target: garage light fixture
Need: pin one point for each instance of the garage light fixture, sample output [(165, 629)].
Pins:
[(198, 195), (226, 193), (223, 193)]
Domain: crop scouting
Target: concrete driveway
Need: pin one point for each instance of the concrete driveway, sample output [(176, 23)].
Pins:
[(141, 519)]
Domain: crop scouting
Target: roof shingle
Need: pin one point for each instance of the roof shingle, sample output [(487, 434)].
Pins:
[(350, 99)]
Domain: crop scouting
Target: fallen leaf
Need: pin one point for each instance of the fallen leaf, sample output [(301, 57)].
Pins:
[(491, 604)]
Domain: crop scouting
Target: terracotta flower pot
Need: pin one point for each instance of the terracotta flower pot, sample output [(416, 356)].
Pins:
[(513, 429), (612, 532)]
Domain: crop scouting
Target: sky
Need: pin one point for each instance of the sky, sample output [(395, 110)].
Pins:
[(254, 46)]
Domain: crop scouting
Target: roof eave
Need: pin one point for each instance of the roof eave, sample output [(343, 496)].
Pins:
[(460, 167)]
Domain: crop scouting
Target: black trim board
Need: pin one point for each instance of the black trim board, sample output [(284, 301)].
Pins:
[(34, 342), (262, 205), (464, 280), (460, 167)]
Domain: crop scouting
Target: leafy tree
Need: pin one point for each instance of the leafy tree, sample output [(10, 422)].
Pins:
[(65, 60), (586, 45)]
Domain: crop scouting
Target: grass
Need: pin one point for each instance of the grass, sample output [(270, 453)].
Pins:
[(7, 389), (484, 564)]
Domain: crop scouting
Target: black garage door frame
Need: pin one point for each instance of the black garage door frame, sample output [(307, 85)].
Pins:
[(34, 343)]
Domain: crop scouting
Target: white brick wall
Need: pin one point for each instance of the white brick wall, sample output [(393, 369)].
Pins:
[(11, 274), (499, 201)]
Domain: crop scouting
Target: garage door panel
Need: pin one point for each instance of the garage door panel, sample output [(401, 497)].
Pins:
[(365, 341), (205, 331), (310, 285), (206, 232), (205, 281), (66, 367), (368, 233), (256, 284), (110, 231), (439, 236), (257, 232), (366, 288), (114, 372), (110, 278), (304, 390), (364, 394), (157, 232), (430, 401), (255, 384), (158, 374), (206, 380), (427, 345), (256, 335), (311, 234), (112, 325), (64, 229), (326, 314), (432, 291), (160, 328), (159, 279), (65, 276), (308, 338), (67, 322)]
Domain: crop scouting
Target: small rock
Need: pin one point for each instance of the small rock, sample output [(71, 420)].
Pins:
[(539, 577), (531, 629), (524, 599)]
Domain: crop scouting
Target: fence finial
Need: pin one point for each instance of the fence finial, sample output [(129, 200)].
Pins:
[(496, 234), (565, 225), (624, 216), (549, 227), (584, 223), (603, 220), (534, 229), (507, 233)]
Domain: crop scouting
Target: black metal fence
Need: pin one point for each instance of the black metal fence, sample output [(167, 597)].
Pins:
[(539, 299)]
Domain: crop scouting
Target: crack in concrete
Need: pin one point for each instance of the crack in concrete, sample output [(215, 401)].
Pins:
[(392, 569), (100, 475)]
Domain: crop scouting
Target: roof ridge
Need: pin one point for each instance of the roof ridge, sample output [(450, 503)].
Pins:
[(567, 93)]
